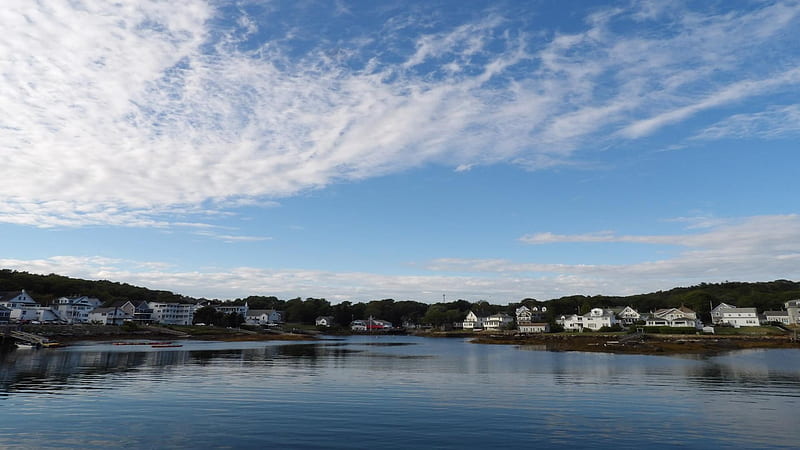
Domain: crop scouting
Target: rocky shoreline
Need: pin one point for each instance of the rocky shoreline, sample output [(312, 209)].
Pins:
[(648, 344)]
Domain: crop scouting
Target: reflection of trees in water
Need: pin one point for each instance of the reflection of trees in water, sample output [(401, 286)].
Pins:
[(57, 370), (725, 377)]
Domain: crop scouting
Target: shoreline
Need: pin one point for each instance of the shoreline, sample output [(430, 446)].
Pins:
[(648, 344), (616, 343)]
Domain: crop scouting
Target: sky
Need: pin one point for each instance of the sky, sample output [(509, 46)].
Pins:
[(415, 150)]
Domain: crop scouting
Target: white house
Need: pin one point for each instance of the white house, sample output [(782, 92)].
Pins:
[(17, 299), (75, 309), (358, 325), (674, 317), (324, 321), (229, 309), (473, 321), (777, 316), (497, 321), (109, 316), (793, 309), (172, 313), (264, 317), (43, 314), (533, 327), (594, 320), (528, 315), (739, 317), (629, 316), (716, 313), (5, 314)]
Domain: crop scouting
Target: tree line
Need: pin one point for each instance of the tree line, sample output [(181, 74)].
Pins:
[(701, 298)]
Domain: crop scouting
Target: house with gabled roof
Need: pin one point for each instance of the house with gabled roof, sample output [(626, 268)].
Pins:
[(75, 309), (17, 299), (473, 321), (497, 321), (739, 317), (717, 312), (777, 317), (793, 309), (264, 317), (674, 317), (324, 321), (109, 316), (628, 316)]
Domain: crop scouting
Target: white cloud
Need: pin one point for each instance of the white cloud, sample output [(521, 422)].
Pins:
[(774, 123), (752, 249), (127, 113)]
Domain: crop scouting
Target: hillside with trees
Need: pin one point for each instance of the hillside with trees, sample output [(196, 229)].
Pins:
[(701, 298)]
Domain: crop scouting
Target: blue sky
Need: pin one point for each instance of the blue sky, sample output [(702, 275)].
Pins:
[(364, 150)]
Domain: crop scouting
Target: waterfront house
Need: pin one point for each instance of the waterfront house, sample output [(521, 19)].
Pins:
[(324, 321), (142, 313), (533, 327), (674, 317), (43, 314), (628, 316), (5, 314), (777, 316), (473, 322), (17, 299), (793, 309), (75, 309), (497, 321), (109, 316), (528, 315), (595, 319), (739, 317), (172, 313), (242, 310), (717, 312), (264, 317), (378, 324), (358, 325)]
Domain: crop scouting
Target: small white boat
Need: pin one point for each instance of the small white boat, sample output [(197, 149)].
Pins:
[(24, 345)]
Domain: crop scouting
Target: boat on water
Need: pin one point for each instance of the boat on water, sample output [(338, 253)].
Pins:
[(25, 345), (53, 345), (141, 343)]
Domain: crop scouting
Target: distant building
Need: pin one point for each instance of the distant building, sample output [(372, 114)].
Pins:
[(109, 316), (739, 317), (358, 325), (497, 321), (628, 316), (75, 309), (528, 315), (172, 313), (793, 309), (674, 317), (264, 317), (533, 327), (17, 299), (324, 321), (717, 312), (777, 316), (594, 320), (473, 322), (242, 310)]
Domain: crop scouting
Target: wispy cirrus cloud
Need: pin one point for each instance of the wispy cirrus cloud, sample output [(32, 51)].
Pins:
[(124, 114), (773, 123)]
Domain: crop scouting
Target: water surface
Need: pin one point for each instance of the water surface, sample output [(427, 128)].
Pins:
[(393, 392)]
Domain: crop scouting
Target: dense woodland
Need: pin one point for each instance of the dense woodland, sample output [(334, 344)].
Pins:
[(701, 298)]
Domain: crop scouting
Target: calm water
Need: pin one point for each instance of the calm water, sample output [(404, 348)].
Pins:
[(393, 392)]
